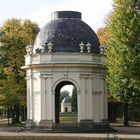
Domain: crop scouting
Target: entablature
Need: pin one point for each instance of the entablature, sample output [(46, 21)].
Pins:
[(64, 58)]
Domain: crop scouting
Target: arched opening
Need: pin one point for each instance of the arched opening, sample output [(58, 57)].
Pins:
[(65, 103), (66, 109)]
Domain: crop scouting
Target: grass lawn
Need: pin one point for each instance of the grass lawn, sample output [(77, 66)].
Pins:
[(68, 117)]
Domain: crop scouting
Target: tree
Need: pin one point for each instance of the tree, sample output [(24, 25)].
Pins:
[(15, 35), (123, 53), (74, 99), (103, 35)]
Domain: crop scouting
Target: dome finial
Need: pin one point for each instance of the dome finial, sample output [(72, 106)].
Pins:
[(88, 45), (29, 49), (82, 47), (50, 45)]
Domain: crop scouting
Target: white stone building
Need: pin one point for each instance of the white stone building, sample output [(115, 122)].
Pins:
[(66, 105), (66, 52)]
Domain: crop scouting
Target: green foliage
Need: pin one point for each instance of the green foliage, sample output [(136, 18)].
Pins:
[(15, 35), (103, 35), (123, 51)]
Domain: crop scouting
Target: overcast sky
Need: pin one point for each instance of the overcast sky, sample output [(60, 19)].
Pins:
[(93, 11)]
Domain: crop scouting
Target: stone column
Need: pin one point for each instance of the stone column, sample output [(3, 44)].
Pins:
[(29, 81), (43, 96), (103, 98), (105, 106), (105, 102), (82, 99), (96, 97), (90, 99)]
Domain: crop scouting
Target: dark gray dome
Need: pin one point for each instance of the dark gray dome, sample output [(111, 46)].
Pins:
[(66, 31), (66, 100)]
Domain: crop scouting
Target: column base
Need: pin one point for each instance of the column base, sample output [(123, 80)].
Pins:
[(29, 124), (46, 124), (90, 124), (86, 123)]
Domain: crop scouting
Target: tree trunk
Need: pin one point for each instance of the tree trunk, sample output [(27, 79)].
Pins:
[(8, 115), (126, 114), (23, 113), (17, 110), (13, 115)]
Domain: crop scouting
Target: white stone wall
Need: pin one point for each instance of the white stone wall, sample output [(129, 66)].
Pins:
[(85, 71), (64, 106)]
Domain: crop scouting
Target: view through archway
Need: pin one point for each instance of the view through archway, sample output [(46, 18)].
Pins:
[(66, 103)]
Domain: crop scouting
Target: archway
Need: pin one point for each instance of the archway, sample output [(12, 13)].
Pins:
[(57, 99)]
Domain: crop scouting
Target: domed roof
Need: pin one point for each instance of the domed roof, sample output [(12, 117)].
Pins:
[(66, 31), (66, 100)]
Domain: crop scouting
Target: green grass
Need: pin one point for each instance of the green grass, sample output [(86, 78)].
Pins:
[(68, 117)]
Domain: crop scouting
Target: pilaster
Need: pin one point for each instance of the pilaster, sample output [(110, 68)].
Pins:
[(86, 97), (46, 101), (29, 81), (82, 99)]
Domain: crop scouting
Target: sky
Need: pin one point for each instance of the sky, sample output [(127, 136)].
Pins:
[(94, 12)]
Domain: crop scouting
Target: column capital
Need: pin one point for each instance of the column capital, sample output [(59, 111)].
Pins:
[(45, 76), (86, 75), (28, 77)]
